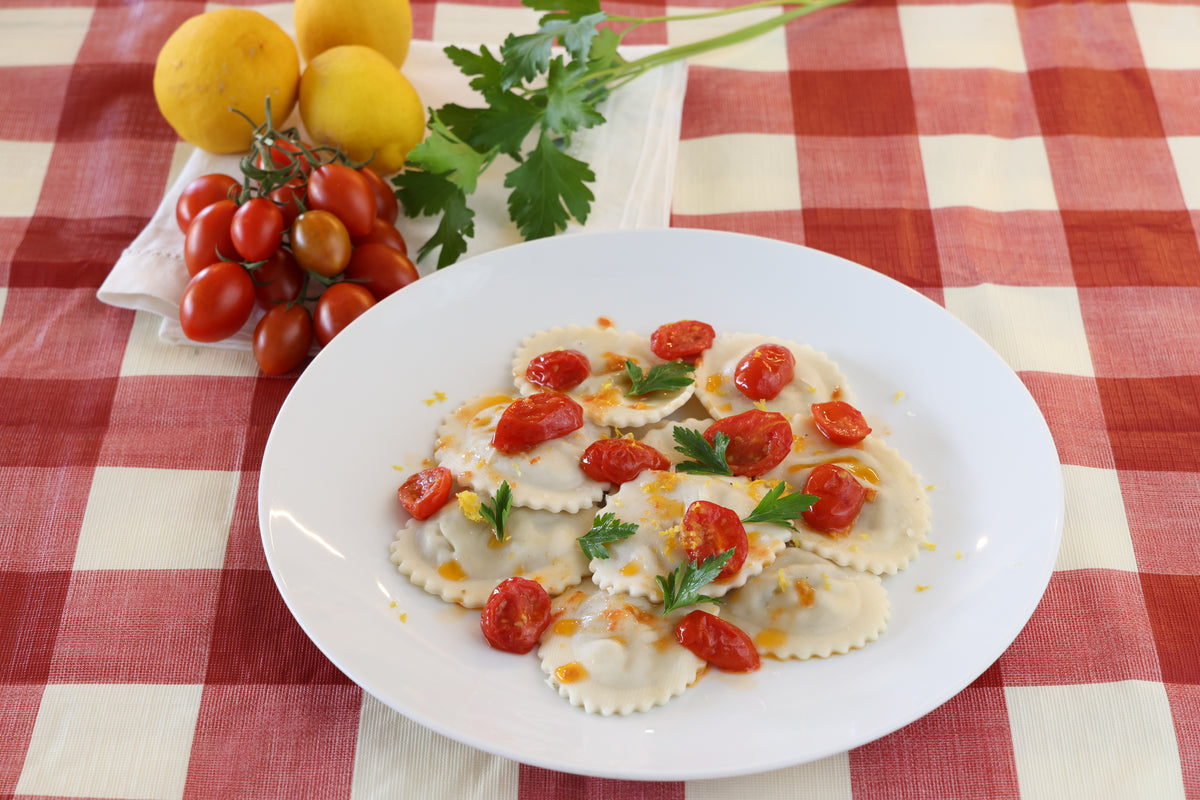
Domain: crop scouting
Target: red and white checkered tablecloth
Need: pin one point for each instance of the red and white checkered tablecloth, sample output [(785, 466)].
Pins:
[(1032, 166)]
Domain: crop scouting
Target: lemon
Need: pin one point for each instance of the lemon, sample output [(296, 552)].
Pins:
[(353, 97), (384, 25), (228, 58)]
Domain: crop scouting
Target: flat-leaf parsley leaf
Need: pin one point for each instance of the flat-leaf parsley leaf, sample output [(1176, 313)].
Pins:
[(682, 587), (606, 528)]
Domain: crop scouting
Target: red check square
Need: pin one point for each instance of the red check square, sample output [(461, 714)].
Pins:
[(1110, 174), (1137, 332), (43, 509), (74, 411), (1132, 248), (749, 98), (1070, 102), (787, 226), (1072, 407), (536, 782), (1173, 604), (32, 101), (46, 258), (869, 102), (899, 242), (33, 604), (1150, 422), (1015, 248), (1161, 508)]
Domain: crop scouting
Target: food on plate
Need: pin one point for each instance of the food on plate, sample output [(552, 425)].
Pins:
[(385, 25)]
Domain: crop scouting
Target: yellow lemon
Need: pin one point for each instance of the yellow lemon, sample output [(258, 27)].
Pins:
[(384, 25), (354, 98), (228, 58)]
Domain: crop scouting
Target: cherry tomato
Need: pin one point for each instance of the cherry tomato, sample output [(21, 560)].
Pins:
[(840, 422), (277, 280), (529, 421), (282, 338), (290, 199), (208, 237), (709, 530), (764, 371), (381, 269), (719, 642), (516, 615), (758, 440), (620, 460), (283, 154), (387, 208), (337, 307), (320, 243), (216, 302), (425, 492), (382, 233), (839, 499), (257, 229), (345, 192), (684, 339), (199, 195), (558, 369)]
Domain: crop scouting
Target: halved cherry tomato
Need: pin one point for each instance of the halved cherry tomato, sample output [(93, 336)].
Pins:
[(216, 302), (382, 233), (387, 207), (282, 338), (764, 371), (199, 195), (257, 229), (758, 440), (559, 369), (208, 237), (425, 492), (839, 499), (337, 307), (321, 243), (708, 530), (719, 642), (516, 615), (840, 422), (529, 421), (685, 339), (619, 460), (277, 280), (382, 269), (345, 192)]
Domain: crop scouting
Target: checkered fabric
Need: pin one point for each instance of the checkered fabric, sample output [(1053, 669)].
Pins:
[(1032, 166)]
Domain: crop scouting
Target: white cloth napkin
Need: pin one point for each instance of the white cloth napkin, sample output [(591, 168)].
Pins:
[(633, 156)]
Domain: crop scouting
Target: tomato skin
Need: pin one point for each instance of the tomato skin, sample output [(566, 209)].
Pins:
[(424, 493), (719, 642), (684, 339), (516, 615), (344, 192), (289, 198), (839, 499), (617, 461), (764, 371), (382, 233), (558, 369), (758, 440), (337, 307), (208, 238), (282, 338), (840, 422), (283, 154), (321, 243), (382, 269), (387, 207), (216, 302), (529, 421), (199, 195), (257, 229), (708, 530), (277, 280)]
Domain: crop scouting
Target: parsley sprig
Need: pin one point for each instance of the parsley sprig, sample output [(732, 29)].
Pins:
[(682, 587), (606, 528), (780, 509), (535, 101), (496, 512), (661, 378), (706, 458)]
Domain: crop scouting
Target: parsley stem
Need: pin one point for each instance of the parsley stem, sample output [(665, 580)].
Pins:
[(637, 21)]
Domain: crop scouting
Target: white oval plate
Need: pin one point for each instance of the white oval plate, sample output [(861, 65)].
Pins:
[(368, 402)]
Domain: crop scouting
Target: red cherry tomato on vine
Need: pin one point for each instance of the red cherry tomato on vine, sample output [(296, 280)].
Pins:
[(839, 499), (516, 615), (337, 307), (345, 192), (289, 198), (684, 339), (764, 371), (425, 492), (257, 229), (758, 440), (840, 422), (321, 243), (283, 154), (719, 642), (199, 195), (387, 207), (558, 369), (708, 530), (382, 233), (282, 338), (382, 269), (529, 421), (208, 237), (277, 280), (216, 302), (620, 460)]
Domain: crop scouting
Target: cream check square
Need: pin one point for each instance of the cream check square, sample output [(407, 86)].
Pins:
[(1095, 530), (736, 172), (987, 172), (1168, 34), (974, 36), (142, 518), (147, 354), (765, 53), (828, 779), (1036, 329), (467, 25), (1095, 740), (38, 37), (99, 740), (23, 167), (1185, 152)]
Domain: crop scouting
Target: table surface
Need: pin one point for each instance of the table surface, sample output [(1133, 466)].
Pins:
[(1033, 167)]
